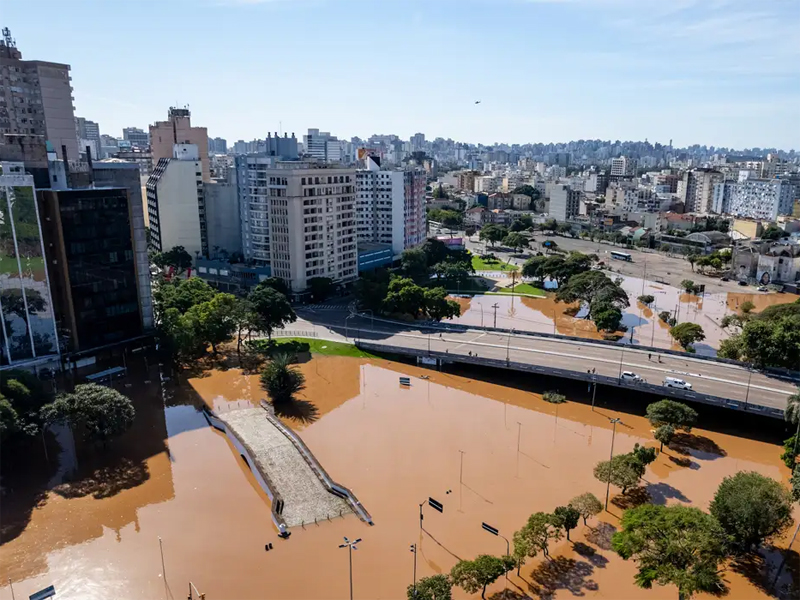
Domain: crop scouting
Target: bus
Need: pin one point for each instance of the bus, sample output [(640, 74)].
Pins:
[(621, 256)]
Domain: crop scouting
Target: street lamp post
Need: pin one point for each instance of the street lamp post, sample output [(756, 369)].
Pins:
[(621, 356), (749, 377), (496, 532), (346, 331), (508, 346), (613, 435), (350, 545), (413, 549), (495, 306)]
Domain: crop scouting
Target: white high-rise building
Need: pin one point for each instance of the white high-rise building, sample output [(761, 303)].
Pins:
[(565, 202), (299, 219), (623, 166), (176, 202), (390, 206), (761, 198)]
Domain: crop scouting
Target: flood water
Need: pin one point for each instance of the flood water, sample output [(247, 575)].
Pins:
[(489, 453), (643, 325)]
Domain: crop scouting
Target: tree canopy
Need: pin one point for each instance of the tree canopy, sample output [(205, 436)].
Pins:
[(516, 241), (493, 234), (271, 309), (177, 258), (751, 509), (321, 288), (566, 517), (435, 587), (102, 412), (474, 575), (21, 399), (624, 471), (670, 412), (587, 505), (281, 380), (672, 545), (686, 334)]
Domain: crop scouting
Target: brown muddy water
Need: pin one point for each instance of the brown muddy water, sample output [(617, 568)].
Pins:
[(489, 453)]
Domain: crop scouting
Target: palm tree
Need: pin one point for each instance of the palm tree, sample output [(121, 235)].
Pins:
[(281, 380)]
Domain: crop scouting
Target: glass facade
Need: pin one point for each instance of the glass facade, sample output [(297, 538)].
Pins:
[(28, 322), (102, 284)]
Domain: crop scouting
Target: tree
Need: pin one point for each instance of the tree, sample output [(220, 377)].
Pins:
[(436, 251), (747, 307), (21, 399), (528, 190), (102, 412), (688, 286), (515, 241), (664, 434), (321, 288), (493, 234), (624, 471), (549, 225), (438, 307), (587, 505), (451, 271), (672, 545), (534, 267), (751, 508), (414, 264), (435, 587), (644, 454), (474, 575), (277, 284), (177, 258), (271, 309), (9, 419), (539, 530), (181, 294), (566, 517), (281, 380), (244, 320), (670, 412), (607, 318), (687, 334), (404, 297), (371, 289), (646, 299), (212, 322), (692, 258), (523, 547), (795, 483), (439, 192), (590, 286), (792, 412), (452, 219)]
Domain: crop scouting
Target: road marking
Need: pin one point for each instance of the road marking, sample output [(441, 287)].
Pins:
[(472, 341)]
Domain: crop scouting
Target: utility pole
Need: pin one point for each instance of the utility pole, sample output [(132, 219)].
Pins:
[(613, 435), (495, 306), (621, 356), (413, 549), (749, 377), (594, 393)]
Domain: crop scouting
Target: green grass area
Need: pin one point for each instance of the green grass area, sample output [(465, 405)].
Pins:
[(522, 288), (9, 265), (327, 347), (481, 265)]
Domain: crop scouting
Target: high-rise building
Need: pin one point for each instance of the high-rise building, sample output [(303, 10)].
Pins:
[(322, 146), (418, 141), (177, 129), (298, 218), (223, 221), (565, 202), (760, 198), (137, 137), (37, 99), (697, 189), (624, 166), (28, 333), (176, 202), (284, 148), (87, 130), (390, 206), (99, 276)]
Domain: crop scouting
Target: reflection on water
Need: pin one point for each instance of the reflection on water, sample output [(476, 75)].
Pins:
[(489, 453)]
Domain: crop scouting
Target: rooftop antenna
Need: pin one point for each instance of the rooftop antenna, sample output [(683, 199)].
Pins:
[(280, 127)]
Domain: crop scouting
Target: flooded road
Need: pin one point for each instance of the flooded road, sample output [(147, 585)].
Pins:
[(644, 327), (489, 453)]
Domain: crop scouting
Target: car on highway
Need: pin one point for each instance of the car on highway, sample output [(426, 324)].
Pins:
[(631, 376), (674, 382)]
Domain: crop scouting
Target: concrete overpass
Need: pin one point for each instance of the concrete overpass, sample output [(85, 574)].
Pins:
[(727, 384)]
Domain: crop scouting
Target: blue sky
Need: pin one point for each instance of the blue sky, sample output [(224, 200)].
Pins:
[(716, 72)]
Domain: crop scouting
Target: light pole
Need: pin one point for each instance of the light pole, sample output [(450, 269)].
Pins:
[(610, 467), (413, 549), (508, 346), (495, 531), (621, 356), (481, 305), (350, 545), (346, 331), (495, 306), (654, 316), (749, 377)]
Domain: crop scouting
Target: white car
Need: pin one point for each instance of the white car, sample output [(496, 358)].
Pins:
[(630, 376), (674, 382)]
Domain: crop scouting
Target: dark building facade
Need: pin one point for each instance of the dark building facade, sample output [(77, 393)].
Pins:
[(89, 245)]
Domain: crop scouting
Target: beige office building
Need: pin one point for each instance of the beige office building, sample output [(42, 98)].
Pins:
[(177, 129), (312, 221), (36, 100)]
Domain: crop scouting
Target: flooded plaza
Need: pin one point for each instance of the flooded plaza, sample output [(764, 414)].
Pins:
[(644, 328), (489, 453)]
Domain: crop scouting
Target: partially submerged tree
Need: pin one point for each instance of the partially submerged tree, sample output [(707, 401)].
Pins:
[(566, 517), (664, 434), (670, 412), (271, 309), (686, 334), (672, 545), (623, 471), (281, 380), (435, 587), (474, 575), (587, 505)]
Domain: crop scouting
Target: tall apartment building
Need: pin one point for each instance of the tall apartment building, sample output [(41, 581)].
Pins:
[(28, 331), (87, 130), (759, 198), (217, 145), (565, 202), (624, 166), (299, 219), (284, 147), (36, 99), (177, 129), (697, 189), (137, 137), (390, 206), (176, 202), (323, 146)]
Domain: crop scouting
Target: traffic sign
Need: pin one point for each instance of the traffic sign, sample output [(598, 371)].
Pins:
[(436, 504), (490, 529)]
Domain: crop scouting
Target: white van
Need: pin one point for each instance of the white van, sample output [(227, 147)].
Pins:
[(674, 382)]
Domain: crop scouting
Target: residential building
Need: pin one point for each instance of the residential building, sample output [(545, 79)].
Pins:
[(217, 146), (418, 142), (697, 189), (390, 206), (176, 203), (624, 166), (98, 273), (88, 133), (177, 129), (284, 148), (28, 333), (36, 99), (721, 198), (298, 218), (323, 146), (761, 198), (476, 216), (596, 183), (142, 157), (231, 277), (509, 201), (138, 138), (487, 184), (466, 181), (565, 202)]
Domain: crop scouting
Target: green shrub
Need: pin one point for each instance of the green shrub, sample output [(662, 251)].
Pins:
[(269, 347), (554, 397)]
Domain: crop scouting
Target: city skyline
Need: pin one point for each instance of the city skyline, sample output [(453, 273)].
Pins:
[(716, 73)]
